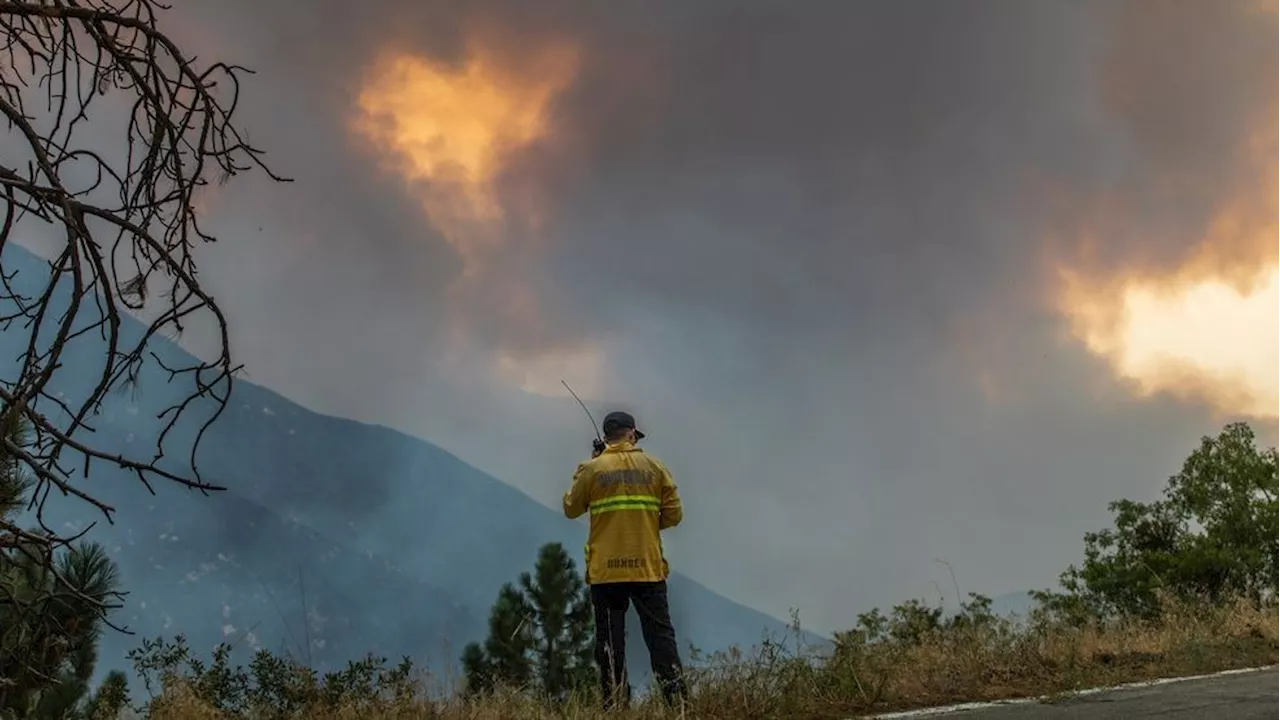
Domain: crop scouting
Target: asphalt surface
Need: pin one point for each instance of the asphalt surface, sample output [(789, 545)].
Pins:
[(1228, 697)]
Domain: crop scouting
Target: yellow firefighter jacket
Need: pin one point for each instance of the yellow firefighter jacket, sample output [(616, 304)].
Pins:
[(631, 497)]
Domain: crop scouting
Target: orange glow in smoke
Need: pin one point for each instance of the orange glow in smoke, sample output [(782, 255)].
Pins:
[(450, 131), (451, 128), (1209, 332)]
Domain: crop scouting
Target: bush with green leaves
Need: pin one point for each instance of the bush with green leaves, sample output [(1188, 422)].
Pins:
[(1212, 538), (271, 686)]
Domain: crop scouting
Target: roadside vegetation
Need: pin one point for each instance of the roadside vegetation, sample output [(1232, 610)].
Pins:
[(1183, 585)]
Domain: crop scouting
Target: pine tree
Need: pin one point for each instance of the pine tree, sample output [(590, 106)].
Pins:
[(48, 630), (475, 667), (562, 609), (505, 658), (540, 634), (14, 481)]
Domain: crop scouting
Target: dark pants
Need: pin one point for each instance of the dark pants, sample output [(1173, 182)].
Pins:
[(610, 601)]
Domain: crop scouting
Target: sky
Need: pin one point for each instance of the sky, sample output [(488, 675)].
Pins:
[(889, 285)]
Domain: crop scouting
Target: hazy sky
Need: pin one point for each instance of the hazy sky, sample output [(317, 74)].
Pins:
[(885, 282)]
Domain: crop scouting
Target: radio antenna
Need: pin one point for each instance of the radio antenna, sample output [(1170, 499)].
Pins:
[(584, 409)]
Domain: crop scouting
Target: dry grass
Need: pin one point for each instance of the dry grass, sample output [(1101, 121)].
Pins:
[(972, 663)]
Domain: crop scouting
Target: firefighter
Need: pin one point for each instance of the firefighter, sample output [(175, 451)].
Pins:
[(631, 497)]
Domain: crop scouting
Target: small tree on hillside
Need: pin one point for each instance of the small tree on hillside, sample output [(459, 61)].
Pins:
[(540, 635), (504, 658), (565, 628), (1212, 537)]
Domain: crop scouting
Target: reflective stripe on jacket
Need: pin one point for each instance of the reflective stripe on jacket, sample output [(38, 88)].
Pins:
[(631, 497)]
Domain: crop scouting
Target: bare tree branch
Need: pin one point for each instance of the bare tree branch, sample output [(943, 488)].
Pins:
[(127, 230)]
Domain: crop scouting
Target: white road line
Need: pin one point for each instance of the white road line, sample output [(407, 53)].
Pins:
[(962, 707)]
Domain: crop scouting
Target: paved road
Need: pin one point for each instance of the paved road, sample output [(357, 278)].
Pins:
[(1230, 697)]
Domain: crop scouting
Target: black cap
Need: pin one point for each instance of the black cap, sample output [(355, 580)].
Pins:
[(617, 420)]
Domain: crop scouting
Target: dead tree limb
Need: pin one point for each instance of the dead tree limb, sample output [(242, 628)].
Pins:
[(124, 231)]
